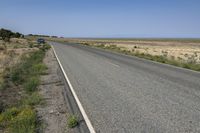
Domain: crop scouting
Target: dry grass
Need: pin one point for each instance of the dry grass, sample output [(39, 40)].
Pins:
[(184, 50), (18, 89), (12, 53)]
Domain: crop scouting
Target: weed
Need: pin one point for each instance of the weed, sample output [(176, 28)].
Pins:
[(87, 44), (24, 122), (15, 47), (30, 45), (17, 75), (3, 84), (72, 121), (39, 68), (31, 84), (2, 106), (45, 47), (7, 116), (33, 99), (101, 46), (192, 59)]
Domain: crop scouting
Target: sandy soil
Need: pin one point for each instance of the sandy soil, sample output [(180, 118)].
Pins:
[(54, 112)]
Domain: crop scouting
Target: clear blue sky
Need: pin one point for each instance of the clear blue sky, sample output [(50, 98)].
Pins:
[(103, 18)]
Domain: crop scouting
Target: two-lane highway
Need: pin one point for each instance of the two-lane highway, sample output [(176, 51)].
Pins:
[(123, 94)]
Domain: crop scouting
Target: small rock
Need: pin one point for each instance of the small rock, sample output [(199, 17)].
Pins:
[(57, 113), (51, 111)]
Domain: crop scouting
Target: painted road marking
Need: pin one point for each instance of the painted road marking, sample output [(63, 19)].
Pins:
[(112, 63)]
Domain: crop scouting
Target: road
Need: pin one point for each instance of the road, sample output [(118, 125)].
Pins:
[(124, 94)]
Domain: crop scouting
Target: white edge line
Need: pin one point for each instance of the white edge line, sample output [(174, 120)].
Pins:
[(89, 125)]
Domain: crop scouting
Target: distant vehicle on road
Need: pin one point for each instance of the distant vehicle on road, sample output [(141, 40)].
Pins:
[(40, 41)]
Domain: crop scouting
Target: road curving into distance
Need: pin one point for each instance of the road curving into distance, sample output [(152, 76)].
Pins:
[(124, 94)]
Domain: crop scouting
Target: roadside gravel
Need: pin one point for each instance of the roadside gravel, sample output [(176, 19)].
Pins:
[(53, 113)]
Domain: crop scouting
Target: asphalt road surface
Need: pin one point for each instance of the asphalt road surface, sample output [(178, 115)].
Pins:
[(124, 94)]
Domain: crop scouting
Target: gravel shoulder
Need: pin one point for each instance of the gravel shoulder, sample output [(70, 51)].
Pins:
[(53, 112)]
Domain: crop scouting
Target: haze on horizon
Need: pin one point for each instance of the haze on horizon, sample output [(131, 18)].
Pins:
[(103, 18)]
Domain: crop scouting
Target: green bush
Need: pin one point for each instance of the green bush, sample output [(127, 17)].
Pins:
[(2, 106), (87, 44), (31, 45), (19, 120), (45, 47), (17, 75), (33, 99), (101, 46), (24, 122), (7, 116), (72, 121), (39, 68), (3, 84), (31, 84)]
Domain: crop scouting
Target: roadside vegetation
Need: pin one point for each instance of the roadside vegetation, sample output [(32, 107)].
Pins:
[(22, 118), (190, 63), (72, 121), (19, 81)]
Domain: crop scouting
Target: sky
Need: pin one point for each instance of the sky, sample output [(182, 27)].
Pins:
[(103, 18)]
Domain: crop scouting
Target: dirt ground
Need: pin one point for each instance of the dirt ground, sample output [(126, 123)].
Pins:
[(54, 112)]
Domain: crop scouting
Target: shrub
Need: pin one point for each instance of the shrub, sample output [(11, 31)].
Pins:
[(39, 68), (45, 47), (17, 75), (33, 99), (2, 106), (31, 84), (4, 85), (24, 122), (7, 116), (15, 47), (72, 121), (101, 46), (31, 45), (87, 44)]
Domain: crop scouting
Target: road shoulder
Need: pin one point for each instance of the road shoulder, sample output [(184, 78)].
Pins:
[(54, 112)]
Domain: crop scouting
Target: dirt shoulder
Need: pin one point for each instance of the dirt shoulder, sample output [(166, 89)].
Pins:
[(54, 113)]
